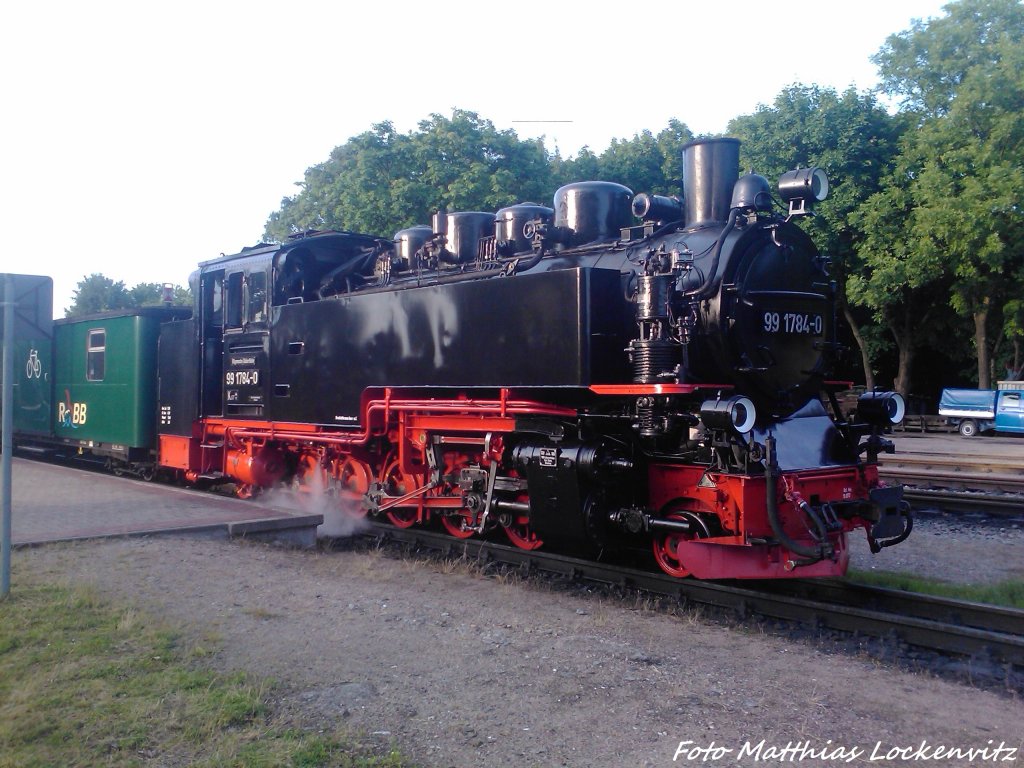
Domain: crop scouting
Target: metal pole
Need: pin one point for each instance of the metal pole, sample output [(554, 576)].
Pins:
[(6, 438)]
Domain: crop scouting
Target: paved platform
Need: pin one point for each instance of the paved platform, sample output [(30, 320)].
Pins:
[(53, 502), (993, 446)]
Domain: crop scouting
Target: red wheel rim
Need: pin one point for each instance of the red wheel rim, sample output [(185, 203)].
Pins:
[(665, 549), (452, 522), (518, 529), (522, 535), (397, 483), (354, 479), (245, 490)]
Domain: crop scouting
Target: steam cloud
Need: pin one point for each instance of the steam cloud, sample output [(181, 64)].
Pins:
[(342, 516)]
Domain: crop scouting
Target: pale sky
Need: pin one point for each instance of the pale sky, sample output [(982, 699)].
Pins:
[(141, 138)]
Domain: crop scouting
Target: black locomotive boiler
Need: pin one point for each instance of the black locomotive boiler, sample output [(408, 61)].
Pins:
[(615, 372)]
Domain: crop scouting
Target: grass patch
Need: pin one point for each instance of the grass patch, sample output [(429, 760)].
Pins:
[(1008, 593), (86, 683)]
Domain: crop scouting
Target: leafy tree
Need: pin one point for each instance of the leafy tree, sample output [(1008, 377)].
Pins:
[(855, 140), (897, 281), (473, 166), (97, 293), (1013, 330), (924, 66), (381, 180), (584, 166), (645, 163), (961, 79), (152, 295)]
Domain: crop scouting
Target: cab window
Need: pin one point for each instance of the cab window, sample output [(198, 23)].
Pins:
[(256, 292), (233, 314), (213, 298)]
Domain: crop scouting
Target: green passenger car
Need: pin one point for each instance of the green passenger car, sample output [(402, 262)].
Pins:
[(105, 381)]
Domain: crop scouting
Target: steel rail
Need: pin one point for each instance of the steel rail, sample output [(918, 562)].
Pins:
[(945, 610), (1000, 505), (959, 480), (983, 464), (940, 625), (937, 477)]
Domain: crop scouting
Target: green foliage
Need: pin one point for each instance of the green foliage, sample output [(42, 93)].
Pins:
[(854, 140), (645, 163), (86, 683), (925, 66), (961, 169), (1009, 593), (97, 293), (849, 135), (381, 181), (152, 295)]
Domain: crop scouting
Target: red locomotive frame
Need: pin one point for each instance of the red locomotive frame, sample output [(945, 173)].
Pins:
[(389, 456)]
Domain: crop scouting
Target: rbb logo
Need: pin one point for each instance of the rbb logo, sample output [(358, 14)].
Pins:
[(72, 416)]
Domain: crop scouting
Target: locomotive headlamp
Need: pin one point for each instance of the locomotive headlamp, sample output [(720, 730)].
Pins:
[(737, 414), (881, 408), (802, 188)]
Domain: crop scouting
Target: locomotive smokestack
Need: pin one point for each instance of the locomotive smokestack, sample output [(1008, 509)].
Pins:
[(710, 168)]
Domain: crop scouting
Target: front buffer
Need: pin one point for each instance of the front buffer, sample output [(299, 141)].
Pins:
[(726, 529)]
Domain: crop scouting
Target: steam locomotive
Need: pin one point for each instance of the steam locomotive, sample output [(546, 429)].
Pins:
[(566, 376)]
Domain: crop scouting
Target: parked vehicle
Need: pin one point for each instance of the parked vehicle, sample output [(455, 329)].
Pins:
[(985, 410)]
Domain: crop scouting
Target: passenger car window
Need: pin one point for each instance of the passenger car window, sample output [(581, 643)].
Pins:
[(95, 355)]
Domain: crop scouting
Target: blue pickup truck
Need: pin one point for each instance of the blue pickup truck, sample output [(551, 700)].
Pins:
[(985, 410)]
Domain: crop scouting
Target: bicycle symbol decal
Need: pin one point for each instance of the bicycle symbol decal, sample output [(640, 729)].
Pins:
[(34, 367)]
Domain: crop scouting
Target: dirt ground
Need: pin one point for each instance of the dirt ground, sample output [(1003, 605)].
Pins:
[(458, 669)]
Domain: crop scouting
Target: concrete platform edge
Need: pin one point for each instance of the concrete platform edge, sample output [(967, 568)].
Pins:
[(298, 531)]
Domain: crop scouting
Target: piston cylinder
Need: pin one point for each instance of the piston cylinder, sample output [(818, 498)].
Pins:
[(262, 467)]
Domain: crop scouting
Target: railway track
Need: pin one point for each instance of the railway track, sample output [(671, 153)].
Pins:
[(947, 500), (964, 473), (990, 485), (982, 633)]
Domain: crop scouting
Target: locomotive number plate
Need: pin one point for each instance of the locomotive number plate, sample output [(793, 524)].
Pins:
[(802, 323), (242, 378)]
